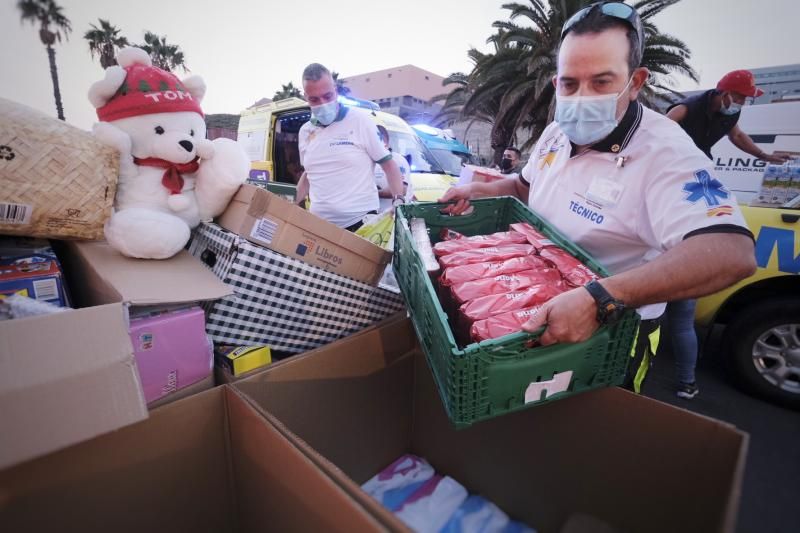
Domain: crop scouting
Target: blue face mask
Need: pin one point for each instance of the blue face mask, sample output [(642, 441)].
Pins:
[(325, 114), (731, 109), (588, 119)]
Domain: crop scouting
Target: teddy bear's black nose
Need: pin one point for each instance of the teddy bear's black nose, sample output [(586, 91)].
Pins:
[(188, 146)]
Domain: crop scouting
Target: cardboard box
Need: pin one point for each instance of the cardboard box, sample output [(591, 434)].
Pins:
[(107, 276), (55, 180), (268, 220), (205, 463), (71, 376), (65, 378), (223, 376), (282, 302), (609, 454), (190, 390)]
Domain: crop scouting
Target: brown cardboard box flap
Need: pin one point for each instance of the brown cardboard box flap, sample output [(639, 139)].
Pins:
[(204, 463), (607, 453), (65, 378), (179, 279)]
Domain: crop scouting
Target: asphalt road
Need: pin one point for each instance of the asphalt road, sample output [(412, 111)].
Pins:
[(771, 493)]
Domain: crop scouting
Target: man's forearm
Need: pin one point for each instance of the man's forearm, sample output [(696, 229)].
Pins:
[(700, 265), (302, 189), (394, 178), (504, 187), (745, 143)]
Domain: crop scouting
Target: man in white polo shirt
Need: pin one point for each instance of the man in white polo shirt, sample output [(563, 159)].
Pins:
[(339, 147), (627, 185)]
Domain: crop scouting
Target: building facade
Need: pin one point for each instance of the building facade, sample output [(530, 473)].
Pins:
[(778, 83), (405, 91)]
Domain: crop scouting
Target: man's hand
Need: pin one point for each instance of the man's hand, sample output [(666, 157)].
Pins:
[(570, 317), (459, 195), (777, 159)]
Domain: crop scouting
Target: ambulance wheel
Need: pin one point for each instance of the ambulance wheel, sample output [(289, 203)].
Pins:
[(764, 344)]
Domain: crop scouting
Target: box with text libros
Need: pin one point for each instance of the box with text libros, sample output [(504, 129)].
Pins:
[(270, 221)]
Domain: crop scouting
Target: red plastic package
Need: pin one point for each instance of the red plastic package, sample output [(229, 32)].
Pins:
[(575, 273), (485, 255), (478, 241), (503, 324), (503, 283), (533, 236), (495, 304), (461, 274)]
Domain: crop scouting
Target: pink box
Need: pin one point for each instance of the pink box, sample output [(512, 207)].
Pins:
[(172, 351)]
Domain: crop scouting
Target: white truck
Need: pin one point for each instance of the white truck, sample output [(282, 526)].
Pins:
[(774, 128)]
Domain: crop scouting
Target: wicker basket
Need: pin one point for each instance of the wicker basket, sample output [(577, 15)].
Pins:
[(56, 180)]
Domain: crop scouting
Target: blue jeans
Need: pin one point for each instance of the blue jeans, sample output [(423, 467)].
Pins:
[(680, 315)]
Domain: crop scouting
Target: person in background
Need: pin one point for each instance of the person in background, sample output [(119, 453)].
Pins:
[(510, 164), (706, 118), (339, 148), (384, 194), (628, 186), (709, 116)]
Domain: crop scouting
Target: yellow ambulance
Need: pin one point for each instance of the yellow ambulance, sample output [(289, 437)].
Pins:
[(269, 135)]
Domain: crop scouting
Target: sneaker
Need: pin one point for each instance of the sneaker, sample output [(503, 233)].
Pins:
[(687, 391)]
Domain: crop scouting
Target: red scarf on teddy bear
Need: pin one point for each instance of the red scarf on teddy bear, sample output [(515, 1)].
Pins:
[(172, 178)]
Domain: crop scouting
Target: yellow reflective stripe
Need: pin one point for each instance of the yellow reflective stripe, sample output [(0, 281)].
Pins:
[(641, 372), (635, 338), (654, 339)]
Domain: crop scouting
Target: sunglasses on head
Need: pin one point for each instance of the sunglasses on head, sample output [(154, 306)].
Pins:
[(616, 10)]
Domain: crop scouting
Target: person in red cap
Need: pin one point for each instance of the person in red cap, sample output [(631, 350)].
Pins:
[(707, 117)]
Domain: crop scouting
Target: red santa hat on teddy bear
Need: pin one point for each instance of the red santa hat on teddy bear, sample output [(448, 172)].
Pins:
[(145, 90)]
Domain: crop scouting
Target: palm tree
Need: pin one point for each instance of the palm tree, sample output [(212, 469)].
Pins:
[(164, 56), (287, 91), (104, 42), (52, 23), (515, 79)]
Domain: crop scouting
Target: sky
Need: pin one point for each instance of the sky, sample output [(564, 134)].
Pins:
[(246, 49)]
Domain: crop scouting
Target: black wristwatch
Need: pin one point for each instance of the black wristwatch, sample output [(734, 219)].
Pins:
[(609, 309)]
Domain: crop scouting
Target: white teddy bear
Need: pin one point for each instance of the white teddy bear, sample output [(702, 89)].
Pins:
[(171, 176)]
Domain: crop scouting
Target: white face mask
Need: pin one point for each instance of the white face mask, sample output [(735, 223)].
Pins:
[(732, 109), (588, 119), (325, 114)]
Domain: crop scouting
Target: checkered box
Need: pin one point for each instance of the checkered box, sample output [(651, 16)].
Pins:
[(282, 302)]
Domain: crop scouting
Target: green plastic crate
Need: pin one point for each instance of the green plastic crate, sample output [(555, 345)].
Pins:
[(487, 379), (287, 191)]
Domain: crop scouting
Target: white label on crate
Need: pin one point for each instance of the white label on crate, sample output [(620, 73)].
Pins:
[(45, 289), (264, 230), (559, 383), (15, 213)]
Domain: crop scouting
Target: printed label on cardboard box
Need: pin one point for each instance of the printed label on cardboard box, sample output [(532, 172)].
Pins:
[(45, 289), (264, 230)]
